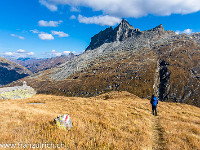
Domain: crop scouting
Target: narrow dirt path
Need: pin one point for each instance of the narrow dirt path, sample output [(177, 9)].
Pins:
[(158, 140)]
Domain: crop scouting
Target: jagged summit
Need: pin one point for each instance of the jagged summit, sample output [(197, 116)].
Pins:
[(159, 28), (124, 24), (123, 31)]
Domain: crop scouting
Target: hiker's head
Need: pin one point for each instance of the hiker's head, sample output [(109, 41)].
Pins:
[(153, 95)]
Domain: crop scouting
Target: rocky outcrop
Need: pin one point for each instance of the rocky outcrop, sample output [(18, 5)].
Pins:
[(17, 92), (10, 71)]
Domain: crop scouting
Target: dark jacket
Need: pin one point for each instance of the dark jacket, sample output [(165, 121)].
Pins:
[(154, 101)]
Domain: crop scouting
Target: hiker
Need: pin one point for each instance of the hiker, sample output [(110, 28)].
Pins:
[(154, 102)]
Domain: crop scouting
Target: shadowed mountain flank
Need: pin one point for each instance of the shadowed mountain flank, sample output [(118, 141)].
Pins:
[(10, 71)]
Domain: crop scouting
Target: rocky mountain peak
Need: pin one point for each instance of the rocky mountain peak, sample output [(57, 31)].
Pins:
[(124, 25), (122, 32), (159, 28)]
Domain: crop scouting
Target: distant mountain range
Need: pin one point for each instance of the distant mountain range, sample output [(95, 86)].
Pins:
[(36, 65), (124, 58)]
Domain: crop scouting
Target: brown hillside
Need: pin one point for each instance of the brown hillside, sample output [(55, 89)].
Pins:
[(116, 120)]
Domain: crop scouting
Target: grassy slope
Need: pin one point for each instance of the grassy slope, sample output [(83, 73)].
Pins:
[(116, 120)]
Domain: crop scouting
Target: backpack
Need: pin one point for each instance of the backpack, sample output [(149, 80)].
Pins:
[(154, 101)]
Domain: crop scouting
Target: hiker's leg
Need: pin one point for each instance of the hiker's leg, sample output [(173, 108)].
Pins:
[(156, 110), (153, 108)]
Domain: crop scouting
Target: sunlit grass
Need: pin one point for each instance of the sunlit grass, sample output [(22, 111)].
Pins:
[(116, 120)]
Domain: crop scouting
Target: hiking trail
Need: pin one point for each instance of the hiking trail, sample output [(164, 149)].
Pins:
[(157, 135)]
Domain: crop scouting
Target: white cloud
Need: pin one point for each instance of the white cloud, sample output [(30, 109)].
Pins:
[(186, 31), (45, 36), (20, 37), (56, 53), (50, 6), (19, 53), (73, 17), (9, 53), (43, 23), (66, 52), (131, 8), (60, 33), (100, 20), (30, 53)]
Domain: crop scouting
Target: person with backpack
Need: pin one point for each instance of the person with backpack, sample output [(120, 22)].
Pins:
[(154, 102)]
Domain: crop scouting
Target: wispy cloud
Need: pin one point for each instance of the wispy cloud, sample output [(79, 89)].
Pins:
[(60, 33), (186, 31), (43, 23), (74, 9), (34, 31), (130, 8), (100, 20), (20, 37), (50, 6)]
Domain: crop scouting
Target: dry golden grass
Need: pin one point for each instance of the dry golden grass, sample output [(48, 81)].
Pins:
[(116, 120)]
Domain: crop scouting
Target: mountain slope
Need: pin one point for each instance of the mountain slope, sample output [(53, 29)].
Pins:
[(10, 71), (36, 65), (116, 120), (142, 62)]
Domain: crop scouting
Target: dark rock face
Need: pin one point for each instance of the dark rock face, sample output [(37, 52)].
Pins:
[(10, 71), (164, 85), (101, 38)]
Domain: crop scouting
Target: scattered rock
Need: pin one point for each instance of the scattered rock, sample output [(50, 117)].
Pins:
[(63, 122), (17, 92)]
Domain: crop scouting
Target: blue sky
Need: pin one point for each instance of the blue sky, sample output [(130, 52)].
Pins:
[(47, 28)]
